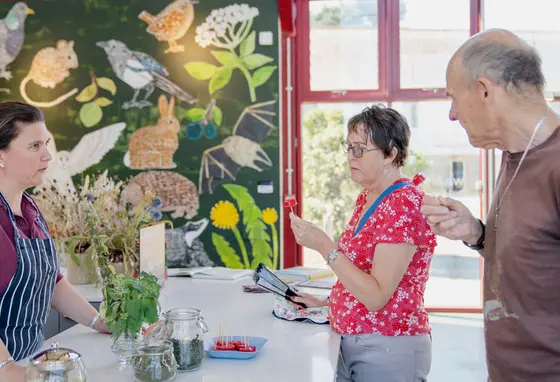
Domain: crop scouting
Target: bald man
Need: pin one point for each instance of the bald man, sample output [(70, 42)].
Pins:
[(495, 82)]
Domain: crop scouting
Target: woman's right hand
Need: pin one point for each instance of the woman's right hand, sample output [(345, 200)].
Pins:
[(12, 373), (310, 301)]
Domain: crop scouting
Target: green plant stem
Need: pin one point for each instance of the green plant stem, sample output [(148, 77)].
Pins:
[(274, 246), (239, 65), (242, 246)]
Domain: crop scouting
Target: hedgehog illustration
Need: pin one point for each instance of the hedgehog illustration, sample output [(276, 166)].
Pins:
[(178, 194)]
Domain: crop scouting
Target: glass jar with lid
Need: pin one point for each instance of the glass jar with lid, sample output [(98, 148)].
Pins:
[(185, 328), (155, 362), (56, 365)]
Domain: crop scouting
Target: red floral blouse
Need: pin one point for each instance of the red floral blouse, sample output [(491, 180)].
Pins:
[(397, 219)]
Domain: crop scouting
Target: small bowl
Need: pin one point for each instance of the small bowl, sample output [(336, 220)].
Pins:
[(257, 342)]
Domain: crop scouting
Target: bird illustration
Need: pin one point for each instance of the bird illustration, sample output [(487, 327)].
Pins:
[(141, 71), (89, 151), (12, 35), (171, 24)]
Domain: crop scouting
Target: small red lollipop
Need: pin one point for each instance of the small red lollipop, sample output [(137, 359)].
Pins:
[(290, 202), (418, 179)]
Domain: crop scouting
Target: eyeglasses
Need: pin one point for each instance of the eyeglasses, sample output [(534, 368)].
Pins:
[(357, 150)]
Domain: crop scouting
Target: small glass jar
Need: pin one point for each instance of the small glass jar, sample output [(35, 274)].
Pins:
[(185, 328), (155, 362), (56, 365)]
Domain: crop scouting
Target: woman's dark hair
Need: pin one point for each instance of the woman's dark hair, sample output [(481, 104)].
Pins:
[(386, 128), (12, 115)]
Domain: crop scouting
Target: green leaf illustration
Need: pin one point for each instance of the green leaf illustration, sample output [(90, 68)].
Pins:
[(225, 58), (90, 114), (102, 101), (217, 115), (262, 253), (256, 60), (260, 76), (87, 93), (219, 80), (257, 230), (196, 114), (107, 84), (254, 226), (227, 254), (248, 45), (201, 70), (241, 195)]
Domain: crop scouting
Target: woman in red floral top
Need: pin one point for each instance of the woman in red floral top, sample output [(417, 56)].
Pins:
[(382, 259)]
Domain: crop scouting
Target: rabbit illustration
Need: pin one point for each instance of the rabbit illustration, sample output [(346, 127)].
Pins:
[(184, 249), (178, 194), (49, 68), (154, 146)]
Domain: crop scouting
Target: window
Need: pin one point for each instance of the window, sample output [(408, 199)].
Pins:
[(427, 40), (440, 149), (335, 64), (537, 23)]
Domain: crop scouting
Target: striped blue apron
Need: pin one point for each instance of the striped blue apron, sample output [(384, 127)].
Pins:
[(26, 302)]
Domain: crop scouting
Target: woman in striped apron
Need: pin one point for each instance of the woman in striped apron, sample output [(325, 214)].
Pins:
[(30, 282)]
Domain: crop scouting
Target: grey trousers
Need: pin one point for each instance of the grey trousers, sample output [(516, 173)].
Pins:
[(376, 358)]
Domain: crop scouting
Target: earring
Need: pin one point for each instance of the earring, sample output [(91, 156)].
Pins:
[(2, 165), (385, 171)]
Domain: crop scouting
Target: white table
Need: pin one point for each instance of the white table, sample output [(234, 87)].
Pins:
[(295, 351)]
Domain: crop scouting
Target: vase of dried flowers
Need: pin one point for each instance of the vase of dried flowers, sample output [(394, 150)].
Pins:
[(80, 269)]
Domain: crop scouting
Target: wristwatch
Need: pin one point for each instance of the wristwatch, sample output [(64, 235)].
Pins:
[(480, 243), (332, 256)]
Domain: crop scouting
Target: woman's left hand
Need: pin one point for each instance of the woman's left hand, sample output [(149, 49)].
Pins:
[(310, 236)]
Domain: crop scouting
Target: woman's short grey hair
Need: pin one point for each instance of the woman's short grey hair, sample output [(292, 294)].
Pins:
[(513, 67), (386, 128)]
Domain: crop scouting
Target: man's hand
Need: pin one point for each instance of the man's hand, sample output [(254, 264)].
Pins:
[(451, 219)]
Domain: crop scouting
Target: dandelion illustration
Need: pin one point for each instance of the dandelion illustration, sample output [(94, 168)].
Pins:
[(227, 28), (224, 215), (270, 217)]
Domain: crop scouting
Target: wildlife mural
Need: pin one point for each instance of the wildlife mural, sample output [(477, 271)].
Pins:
[(176, 97)]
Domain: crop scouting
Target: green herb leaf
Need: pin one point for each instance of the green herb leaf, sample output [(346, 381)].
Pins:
[(225, 58), (256, 60), (219, 80), (201, 70), (260, 76), (248, 45), (229, 257)]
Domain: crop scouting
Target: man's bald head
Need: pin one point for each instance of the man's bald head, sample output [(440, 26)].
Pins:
[(501, 56)]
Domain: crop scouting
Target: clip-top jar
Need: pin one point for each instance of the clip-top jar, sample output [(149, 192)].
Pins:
[(185, 328)]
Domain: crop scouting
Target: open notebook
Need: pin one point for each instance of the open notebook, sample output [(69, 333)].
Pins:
[(216, 273)]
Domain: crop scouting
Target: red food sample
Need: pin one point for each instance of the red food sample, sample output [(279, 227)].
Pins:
[(247, 349), (225, 346)]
